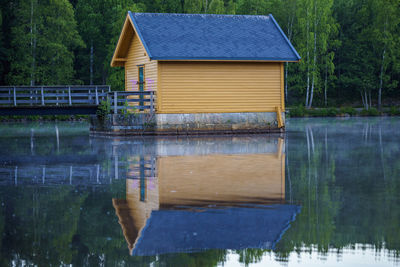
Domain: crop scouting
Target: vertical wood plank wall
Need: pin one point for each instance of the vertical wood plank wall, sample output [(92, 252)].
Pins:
[(207, 87), (136, 56)]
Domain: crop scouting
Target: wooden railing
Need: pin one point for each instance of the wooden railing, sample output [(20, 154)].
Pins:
[(93, 95), (132, 100), (53, 95)]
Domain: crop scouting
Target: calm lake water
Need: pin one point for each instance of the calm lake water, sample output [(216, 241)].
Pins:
[(326, 192)]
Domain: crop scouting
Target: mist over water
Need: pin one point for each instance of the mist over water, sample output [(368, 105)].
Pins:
[(325, 192)]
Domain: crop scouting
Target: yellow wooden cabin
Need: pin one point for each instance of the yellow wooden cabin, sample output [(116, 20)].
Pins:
[(209, 72)]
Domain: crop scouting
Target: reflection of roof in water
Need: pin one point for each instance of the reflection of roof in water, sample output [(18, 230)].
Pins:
[(172, 231)]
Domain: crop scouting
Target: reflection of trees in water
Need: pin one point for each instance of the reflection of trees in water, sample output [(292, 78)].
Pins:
[(348, 187), (346, 180), (85, 232), (31, 227)]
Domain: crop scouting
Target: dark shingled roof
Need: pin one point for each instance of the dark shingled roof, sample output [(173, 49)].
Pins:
[(212, 37), (173, 231)]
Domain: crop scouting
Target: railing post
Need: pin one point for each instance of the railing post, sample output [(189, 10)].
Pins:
[(115, 102), (15, 97), (89, 96), (42, 93), (69, 96), (151, 102), (57, 97), (97, 97)]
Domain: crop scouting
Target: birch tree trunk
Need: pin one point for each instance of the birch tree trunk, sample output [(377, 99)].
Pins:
[(308, 61), (326, 86), (362, 99), (381, 81), (290, 31), (382, 69), (370, 102), (315, 56)]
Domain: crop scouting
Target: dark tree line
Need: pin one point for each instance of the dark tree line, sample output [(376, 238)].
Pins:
[(349, 48)]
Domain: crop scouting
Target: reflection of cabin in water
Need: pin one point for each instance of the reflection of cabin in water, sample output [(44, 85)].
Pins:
[(186, 183), (215, 66)]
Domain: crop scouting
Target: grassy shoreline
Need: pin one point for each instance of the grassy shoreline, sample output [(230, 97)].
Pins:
[(30, 118), (301, 111), (291, 112)]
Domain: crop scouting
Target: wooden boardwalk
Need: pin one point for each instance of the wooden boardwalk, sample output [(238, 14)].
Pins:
[(70, 100)]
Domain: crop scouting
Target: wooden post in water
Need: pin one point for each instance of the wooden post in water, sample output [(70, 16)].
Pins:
[(16, 175), (115, 102), (43, 174), (116, 167), (70, 174), (32, 144), (57, 138), (97, 173)]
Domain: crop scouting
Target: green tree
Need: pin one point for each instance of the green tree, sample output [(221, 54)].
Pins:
[(216, 7), (252, 7), (231, 7), (385, 25), (119, 10), (165, 6), (2, 49), (90, 20), (48, 31), (193, 6)]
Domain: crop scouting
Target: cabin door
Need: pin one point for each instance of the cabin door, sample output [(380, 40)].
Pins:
[(141, 86)]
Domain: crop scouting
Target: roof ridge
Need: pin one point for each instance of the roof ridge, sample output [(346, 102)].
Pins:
[(201, 14)]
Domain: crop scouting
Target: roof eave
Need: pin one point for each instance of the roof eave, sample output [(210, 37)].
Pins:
[(116, 62), (113, 62), (284, 36), (137, 30), (161, 58)]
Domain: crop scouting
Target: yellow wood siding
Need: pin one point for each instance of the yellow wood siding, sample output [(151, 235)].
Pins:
[(197, 180), (206, 87), (137, 56)]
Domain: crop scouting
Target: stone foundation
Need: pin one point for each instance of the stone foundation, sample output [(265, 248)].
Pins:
[(184, 124)]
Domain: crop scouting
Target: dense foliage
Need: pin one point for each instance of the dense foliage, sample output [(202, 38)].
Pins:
[(348, 48)]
